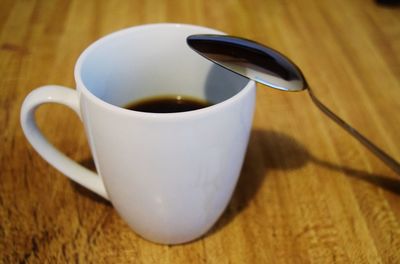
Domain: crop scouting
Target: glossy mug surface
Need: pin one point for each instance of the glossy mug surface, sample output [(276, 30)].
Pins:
[(170, 175)]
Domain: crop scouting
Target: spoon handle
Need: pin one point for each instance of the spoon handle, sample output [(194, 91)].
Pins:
[(389, 161)]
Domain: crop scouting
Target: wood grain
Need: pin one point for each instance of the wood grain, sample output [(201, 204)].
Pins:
[(308, 192)]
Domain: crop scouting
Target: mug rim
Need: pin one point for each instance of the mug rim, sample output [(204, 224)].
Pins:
[(81, 87)]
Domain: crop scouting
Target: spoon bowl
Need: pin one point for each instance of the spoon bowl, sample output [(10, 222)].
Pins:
[(250, 59)]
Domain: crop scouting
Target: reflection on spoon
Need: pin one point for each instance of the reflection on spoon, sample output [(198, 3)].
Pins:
[(269, 67)]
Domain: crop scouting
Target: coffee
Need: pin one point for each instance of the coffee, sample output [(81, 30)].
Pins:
[(167, 104)]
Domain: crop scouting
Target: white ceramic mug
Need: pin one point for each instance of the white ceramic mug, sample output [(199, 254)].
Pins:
[(169, 176)]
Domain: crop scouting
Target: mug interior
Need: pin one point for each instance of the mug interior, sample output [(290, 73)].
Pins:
[(153, 60)]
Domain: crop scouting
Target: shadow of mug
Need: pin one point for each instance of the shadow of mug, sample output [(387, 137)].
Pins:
[(265, 151)]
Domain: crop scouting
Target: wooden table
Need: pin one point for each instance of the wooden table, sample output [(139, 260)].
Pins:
[(308, 192)]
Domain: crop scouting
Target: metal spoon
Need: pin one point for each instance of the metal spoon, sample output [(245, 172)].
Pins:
[(269, 67)]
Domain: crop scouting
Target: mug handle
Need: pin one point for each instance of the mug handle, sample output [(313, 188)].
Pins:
[(73, 170)]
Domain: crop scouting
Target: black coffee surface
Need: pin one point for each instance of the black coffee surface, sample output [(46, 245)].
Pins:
[(167, 104)]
